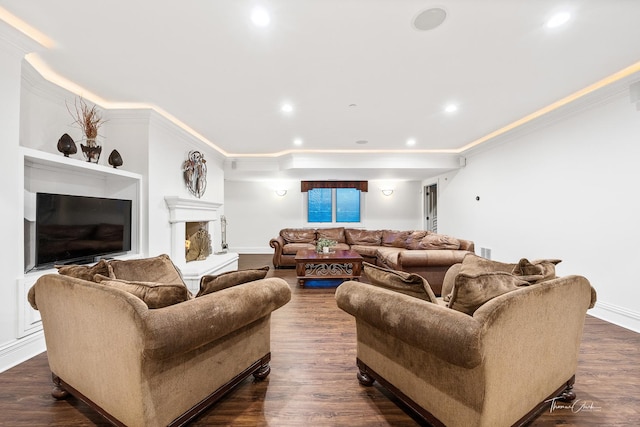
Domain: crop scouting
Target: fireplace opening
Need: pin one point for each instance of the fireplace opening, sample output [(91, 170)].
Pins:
[(197, 241)]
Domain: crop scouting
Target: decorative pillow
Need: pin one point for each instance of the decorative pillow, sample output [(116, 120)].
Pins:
[(475, 264), (363, 237), (394, 238), (536, 271), (413, 239), (159, 269), (209, 284), (298, 235), (449, 280), (85, 272), (471, 291), (336, 234), (399, 281), (439, 241), (155, 295)]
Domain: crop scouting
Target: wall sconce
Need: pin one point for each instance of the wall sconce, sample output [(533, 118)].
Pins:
[(281, 193), (387, 191)]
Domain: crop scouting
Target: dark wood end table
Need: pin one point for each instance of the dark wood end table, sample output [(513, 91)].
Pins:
[(338, 264)]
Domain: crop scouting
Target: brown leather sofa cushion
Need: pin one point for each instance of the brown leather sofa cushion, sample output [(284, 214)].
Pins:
[(363, 237), (438, 241), (394, 238), (336, 234), (414, 239), (158, 269), (298, 235)]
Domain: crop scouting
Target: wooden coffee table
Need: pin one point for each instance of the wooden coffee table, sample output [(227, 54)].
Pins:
[(339, 264)]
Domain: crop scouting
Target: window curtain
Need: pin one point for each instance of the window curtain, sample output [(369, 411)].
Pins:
[(310, 185)]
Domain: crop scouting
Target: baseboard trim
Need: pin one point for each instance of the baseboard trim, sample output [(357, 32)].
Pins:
[(617, 315), (258, 250), (20, 350)]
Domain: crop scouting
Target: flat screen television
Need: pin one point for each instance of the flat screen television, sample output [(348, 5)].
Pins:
[(80, 229)]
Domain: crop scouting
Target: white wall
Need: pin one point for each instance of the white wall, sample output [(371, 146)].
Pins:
[(12, 349), (169, 147), (255, 214), (568, 191)]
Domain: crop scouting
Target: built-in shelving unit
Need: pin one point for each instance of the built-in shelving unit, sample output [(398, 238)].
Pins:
[(52, 173)]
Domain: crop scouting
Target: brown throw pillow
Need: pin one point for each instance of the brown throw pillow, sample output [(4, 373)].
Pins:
[(471, 291), (155, 295), (399, 281), (85, 272), (209, 284), (535, 271), (158, 269)]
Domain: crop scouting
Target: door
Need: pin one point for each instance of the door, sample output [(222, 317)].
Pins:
[(431, 208)]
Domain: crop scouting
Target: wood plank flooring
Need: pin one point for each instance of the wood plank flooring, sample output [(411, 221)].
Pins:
[(313, 378)]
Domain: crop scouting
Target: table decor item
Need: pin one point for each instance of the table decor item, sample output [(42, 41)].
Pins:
[(324, 245), (66, 145), (115, 159)]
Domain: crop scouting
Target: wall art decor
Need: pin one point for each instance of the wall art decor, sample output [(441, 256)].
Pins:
[(194, 170)]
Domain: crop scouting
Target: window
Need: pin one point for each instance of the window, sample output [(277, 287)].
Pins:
[(333, 205)]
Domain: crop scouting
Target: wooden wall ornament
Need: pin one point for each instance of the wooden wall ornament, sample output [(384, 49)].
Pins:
[(194, 170)]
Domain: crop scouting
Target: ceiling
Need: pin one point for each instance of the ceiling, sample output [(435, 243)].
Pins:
[(353, 71)]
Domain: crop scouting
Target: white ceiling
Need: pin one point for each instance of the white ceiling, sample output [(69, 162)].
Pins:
[(206, 64)]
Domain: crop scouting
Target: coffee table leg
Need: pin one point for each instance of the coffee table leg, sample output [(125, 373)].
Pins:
[(301, 283)]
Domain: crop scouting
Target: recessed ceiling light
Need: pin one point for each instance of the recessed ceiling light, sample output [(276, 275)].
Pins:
[(429, 19), (297, 141), (260, 17), (451, 108), (411, 142), (287, 108), (558, 19)]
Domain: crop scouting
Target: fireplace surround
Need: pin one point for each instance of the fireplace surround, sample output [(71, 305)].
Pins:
[(183, 211)]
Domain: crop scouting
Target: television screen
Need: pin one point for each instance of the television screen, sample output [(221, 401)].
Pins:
[(78, 229)]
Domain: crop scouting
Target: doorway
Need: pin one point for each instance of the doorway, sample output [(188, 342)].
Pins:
[(431, 208)]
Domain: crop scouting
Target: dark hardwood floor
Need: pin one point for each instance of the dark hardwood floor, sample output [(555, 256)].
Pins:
[(313, 378)]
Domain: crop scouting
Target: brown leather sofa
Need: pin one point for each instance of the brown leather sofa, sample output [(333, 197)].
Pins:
[(422, 252)]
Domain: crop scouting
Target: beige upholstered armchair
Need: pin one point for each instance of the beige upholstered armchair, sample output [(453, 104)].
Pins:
[(142, 366), (492, 356)]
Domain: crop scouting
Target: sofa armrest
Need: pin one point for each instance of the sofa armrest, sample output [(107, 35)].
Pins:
[(278, 246), (430, 257), (447, 334), (186, 326)]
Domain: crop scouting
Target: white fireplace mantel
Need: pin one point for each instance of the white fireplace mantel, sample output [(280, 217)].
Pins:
[(190, 210), (181, 211)]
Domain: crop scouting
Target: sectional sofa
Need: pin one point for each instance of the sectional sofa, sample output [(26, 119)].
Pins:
[(416, 251)]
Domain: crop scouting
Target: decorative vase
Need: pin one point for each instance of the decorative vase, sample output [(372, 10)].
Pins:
[(91, 151), (115, 159), (66, 145)]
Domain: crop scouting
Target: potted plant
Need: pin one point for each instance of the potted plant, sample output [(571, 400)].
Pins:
[(89, 120), (323, 245)]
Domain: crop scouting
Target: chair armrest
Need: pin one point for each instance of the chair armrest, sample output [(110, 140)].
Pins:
[(186, 326), (447, 334)]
